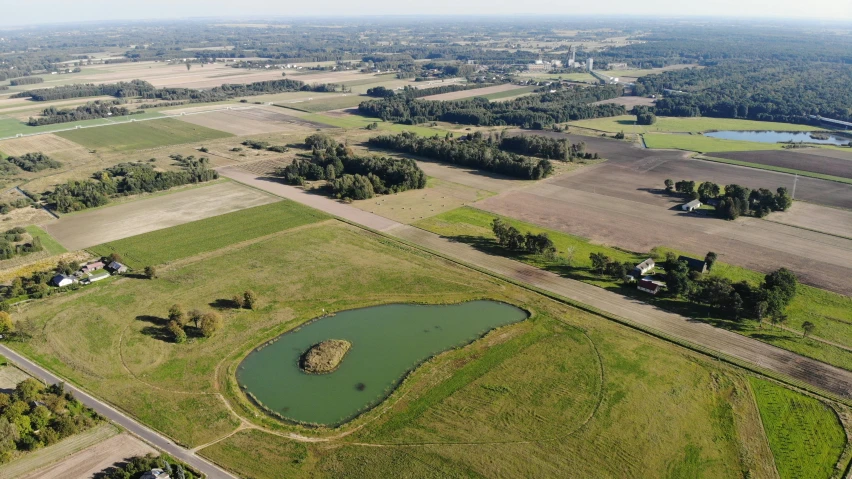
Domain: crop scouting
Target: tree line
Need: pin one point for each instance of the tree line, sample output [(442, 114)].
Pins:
[(474, 152), (137, 466), (546, 147), (351, 176), (412, 92), (90, 111), (26, 81), (127, 179), (534, 111), (511, 238), (129, 89)]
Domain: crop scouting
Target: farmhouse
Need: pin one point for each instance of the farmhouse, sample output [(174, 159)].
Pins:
[(61, 280), (691, 206), (650, 287), (93, 266), (643, 268), (155, 474), (117, 268), (697, 265)]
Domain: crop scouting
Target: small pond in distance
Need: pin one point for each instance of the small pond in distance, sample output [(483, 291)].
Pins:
[(387, 342), (778, 136)]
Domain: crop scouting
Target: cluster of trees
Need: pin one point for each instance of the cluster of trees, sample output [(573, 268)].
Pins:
[(264, 145), (33, 416), (644, 116), (34, 162), (11, 244), (474, 152), (351, 176), (603, 264), (139, 465), (545, 147), (537, 111), (734, 300), (90, 111), (511, 238), (5, 208), (735, 200), (26, 81), (203, 324), (127, 179)]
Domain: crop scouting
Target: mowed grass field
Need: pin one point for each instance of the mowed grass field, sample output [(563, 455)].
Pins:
[(11, 126), (190, 239), (141, 135), (667, 124), (805, 435), (48, 242), (831, 313)]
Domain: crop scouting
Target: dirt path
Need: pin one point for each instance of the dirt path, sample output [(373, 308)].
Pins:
[(829, 378)]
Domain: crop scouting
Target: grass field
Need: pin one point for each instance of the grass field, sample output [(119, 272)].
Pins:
[(703, 144), (831, 313), (332, 101), (11, 127), (50, 244), (357, 121), (578, 77), (141, 135), (665, 124), (510, 93), (190, 239), (805, 435)]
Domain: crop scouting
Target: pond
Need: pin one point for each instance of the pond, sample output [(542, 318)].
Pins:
[(780, 136), (387, 343)]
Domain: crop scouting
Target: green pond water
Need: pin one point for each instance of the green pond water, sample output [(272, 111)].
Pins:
[(387, 342)]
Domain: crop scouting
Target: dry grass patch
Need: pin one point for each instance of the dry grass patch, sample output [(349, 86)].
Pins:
[(413, 205)]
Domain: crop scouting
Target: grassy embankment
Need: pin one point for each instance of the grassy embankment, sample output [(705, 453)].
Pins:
[(831, 313)]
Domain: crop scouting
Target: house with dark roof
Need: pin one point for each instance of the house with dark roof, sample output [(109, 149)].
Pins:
[(116, 268), (697, 265)]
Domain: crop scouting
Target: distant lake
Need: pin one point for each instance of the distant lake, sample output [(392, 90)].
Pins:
[(778, 136), (387, 343)]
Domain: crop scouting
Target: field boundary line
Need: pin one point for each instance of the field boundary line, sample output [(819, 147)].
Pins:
[(703, 156)]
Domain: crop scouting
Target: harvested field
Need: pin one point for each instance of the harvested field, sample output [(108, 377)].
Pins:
[(802, 160), (28, 466), (818, 259), (628, 101), (94, 459), (458, 95), (843, 154), (48, 143), (10, 376), (89, 228), (413, 205), (141, 135), (638, 174), (481, 180), (251, 121), (833, 221)]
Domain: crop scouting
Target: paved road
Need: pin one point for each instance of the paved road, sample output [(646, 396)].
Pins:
[(821, 375), (163, 443)]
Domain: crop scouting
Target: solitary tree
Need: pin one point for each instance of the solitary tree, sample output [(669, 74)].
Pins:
[(210, 323), (150, 272), (807, 328), (669, 185), (249, 299), (6, 324), (188, 66), (710, 259), (177, 331), (195, 316), (115, 257)]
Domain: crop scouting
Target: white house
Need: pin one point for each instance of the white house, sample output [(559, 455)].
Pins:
[(643, 268), (691, 206), (155, 474)]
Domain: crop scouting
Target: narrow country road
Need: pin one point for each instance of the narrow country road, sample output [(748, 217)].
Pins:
[(161, 442), (826, 377)]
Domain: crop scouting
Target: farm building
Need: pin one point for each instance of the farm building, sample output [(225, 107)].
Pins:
[(117, 268), (61, 280), (93, 266), (95, 277), (691, 206), (648, 286), (697, 265), (643, 268)]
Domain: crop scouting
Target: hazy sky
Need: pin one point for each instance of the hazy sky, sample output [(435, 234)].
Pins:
[(16, 12)]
